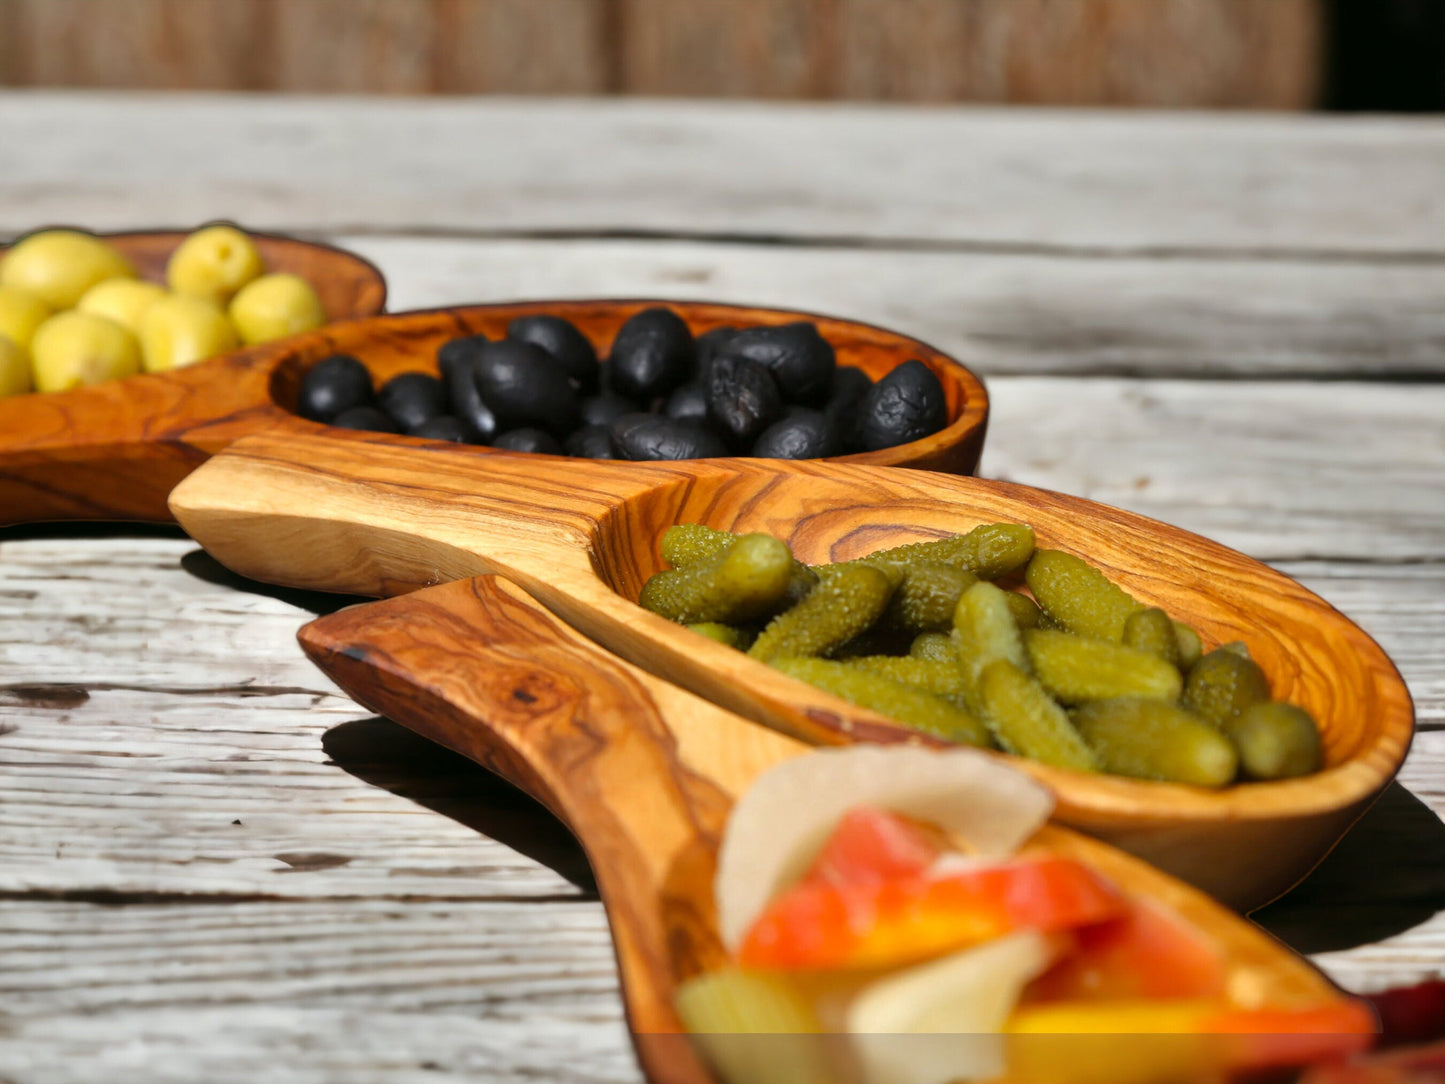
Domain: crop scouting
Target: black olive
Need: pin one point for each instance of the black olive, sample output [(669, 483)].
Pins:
[(332, 386), (528, 440), (850, 384), (563, 341), (801, 434), (365, 417), (905, 405), (688, 401), (651, 436), (652, 354), (442, 427), (525, 386), (412, 399), (801, 360), (742, 398), (590, 442), (601, 408), (458, 363)]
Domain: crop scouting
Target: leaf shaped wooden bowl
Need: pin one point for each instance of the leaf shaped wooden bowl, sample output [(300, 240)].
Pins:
[(113, 451), (644, 774), (348, 512)]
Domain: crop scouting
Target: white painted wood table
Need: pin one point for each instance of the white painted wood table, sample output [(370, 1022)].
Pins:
[(215, 867)]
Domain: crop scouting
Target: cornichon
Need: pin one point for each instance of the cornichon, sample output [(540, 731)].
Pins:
[(988, 551), (1223, 684), (938, 646), (1025, 719), (984, 630), (1078, 596), (910, 706), (925, 597), (685, 545), (1151, 739), (846, 602), (723, 634), (1077, 669), (745, 581), (1275, 741), (1152, 632), (941, 678)]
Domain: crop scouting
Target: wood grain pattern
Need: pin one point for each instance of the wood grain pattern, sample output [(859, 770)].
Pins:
[(368, 517), (114, 450), (645, 775)]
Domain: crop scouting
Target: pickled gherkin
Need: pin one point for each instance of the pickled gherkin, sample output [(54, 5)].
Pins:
[(1026, 720), (1275, 741), (1151, 631), (685, 545), (1076, 669), (984, 630), (910, 706), (1076, 595), (745, 581), (925, 598), (846, 602), (730, 635), (1191, 650), (1150, 739), (1027, 614), (944, 678), (934, 645), (988, 551), (1223, 684)]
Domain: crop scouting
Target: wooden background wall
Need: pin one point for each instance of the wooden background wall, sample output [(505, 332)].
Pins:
[(1252, 53)]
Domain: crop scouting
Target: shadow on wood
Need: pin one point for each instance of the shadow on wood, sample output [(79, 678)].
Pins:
[(206, 568), (1387, 876), (379, 752)]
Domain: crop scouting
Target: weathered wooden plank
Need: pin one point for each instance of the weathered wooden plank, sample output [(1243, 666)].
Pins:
[(158, 44), (1038, 179), (523, 47), (1000, 312), (355, 45)]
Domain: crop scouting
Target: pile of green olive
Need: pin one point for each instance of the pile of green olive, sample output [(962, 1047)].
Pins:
[(74, 312), (1077, 673)]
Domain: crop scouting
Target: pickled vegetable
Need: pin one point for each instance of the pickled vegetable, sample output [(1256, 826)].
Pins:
[(1151, 739), (686, 544), (1223, 684), (988, 551), (846, 602), (984, 630), (1275, 741), (1152, 632), (1025, 720), (74, 349), (941, 678), (58, 266), (125, 301), (743, 582), (1078, 596), (274, 306), (14, 369), (926, 597), (1027, 614), (21, 313), (910, 706), (1076, 669), (181, 330), (1191, 650), (754, 1028), (214, 263), (938, 646), (730, 635)]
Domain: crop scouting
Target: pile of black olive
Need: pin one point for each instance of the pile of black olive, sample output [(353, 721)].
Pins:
[(776, 392)]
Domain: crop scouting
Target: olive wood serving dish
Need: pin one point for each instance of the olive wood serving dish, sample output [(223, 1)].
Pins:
[(644, 774), (113, 451), (350, 513)]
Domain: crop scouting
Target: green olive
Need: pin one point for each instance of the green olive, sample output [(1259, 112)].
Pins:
[(214, 263), (21, 312), (58, 266), (274, 306), (180, 329), (73, 349), (123, 300), (14, 369)]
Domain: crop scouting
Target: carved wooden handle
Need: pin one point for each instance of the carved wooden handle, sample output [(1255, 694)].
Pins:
[(478, 667)]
